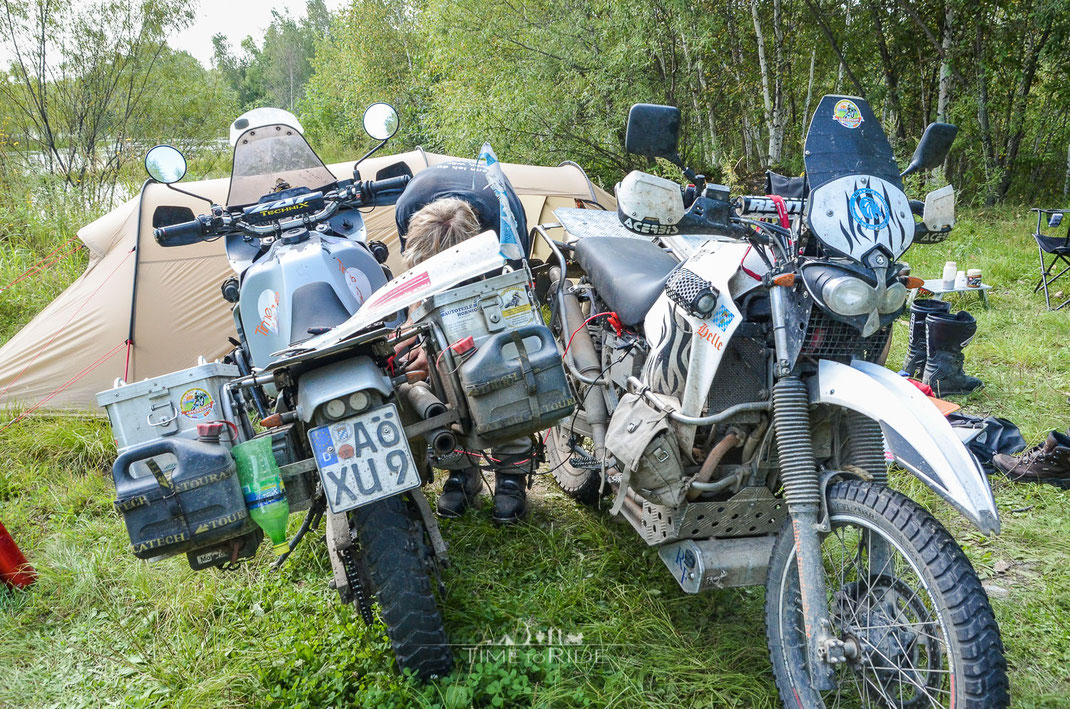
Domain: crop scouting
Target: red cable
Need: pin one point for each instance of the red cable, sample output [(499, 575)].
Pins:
[(781, 209), (614, 320)]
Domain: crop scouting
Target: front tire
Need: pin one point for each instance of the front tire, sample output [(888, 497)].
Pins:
[(919, 625), (574, 472), (395, 558)]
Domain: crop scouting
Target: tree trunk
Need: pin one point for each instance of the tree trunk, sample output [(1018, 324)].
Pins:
[(763, 67), (1066, 180), (809, 95), (945, 64), (891, 76)]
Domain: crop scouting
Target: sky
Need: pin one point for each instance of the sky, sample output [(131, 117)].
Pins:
[(236, 19)]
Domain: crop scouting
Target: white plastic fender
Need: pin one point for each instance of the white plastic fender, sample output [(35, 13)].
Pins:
[(917, 434)]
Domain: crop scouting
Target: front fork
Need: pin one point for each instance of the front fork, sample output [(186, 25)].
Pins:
[(802, 491)]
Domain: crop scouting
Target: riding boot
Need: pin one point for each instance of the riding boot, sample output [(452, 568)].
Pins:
[(512, 464), (510, 498), (914, 365), (947, 335), (459, 492)]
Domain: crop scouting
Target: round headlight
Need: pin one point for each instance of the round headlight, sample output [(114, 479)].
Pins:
[(893, 298), (705, 304), (849, 296), (358, 401), (335, 409)]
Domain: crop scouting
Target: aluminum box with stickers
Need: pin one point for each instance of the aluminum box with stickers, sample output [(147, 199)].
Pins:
[(165, 406)]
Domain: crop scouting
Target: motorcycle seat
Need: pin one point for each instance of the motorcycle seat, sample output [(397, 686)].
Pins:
[(628, 274)]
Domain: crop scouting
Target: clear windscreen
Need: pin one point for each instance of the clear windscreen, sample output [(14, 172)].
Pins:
[(266, 157)]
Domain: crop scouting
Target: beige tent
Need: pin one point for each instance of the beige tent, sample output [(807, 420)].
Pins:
[(167, 303)]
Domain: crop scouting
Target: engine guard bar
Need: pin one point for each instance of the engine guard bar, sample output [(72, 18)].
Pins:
[(637, 387)]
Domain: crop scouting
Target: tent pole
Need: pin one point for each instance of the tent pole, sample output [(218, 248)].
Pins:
[(133, 289)]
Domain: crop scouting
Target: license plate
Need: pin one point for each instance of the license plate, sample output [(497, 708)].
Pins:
[(363, 459)]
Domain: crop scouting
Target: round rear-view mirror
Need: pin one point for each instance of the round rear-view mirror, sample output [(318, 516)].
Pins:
[(165, 164), (381, 121)]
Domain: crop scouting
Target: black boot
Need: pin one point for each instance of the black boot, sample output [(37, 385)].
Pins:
[(510, 497), (459, 492), (947, 335), (914, 365)]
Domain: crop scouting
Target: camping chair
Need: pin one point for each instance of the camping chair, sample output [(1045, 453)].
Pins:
[(1058, 247)]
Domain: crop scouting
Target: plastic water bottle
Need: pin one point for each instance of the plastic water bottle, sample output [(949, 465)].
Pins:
[(265, 495)]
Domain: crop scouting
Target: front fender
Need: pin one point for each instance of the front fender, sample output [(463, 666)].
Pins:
[(919, 437)]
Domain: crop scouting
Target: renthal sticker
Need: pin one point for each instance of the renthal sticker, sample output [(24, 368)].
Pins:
[(650, 228), (267, 305), (195, 404), (723, 318), (846, 113)]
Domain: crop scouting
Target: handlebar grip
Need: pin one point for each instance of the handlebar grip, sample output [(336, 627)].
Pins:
[(182, 234), (390, 184)]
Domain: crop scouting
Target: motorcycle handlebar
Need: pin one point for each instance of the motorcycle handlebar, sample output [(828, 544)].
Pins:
[(391, 184), (751, 205), (182, 234)]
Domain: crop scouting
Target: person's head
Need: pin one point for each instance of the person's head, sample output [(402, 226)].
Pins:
[(440, 225)]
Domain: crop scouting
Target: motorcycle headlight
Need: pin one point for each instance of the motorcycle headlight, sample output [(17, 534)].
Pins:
[(849, 296), (894, 297)]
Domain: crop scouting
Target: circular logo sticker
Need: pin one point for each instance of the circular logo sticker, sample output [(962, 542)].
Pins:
[(870, 209), (847, 114), (195, 404)]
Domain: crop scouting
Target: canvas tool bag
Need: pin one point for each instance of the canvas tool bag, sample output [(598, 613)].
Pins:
[(644, 443)]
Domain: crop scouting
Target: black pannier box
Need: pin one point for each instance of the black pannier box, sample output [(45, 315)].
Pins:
[(198, 504)]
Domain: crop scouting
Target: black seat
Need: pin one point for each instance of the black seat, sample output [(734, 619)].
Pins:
[(629, 274)]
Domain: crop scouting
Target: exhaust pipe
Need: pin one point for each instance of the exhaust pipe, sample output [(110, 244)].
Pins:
[(422, 400)]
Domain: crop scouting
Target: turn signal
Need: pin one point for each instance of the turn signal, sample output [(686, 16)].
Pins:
[(272, 421), (784, 279), (912, 282)]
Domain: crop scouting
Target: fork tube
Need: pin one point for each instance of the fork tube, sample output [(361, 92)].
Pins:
[(779, 308), (802, 491)]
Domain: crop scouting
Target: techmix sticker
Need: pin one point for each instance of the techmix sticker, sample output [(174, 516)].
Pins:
[(196, 404)]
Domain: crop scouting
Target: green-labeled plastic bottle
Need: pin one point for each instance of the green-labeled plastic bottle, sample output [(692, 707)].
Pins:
[(265, 495)]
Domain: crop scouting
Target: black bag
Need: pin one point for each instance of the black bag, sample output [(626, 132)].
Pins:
[(996, 436)]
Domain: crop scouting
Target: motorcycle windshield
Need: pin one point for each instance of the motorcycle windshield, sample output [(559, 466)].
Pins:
[(270, 156), (856, 202)]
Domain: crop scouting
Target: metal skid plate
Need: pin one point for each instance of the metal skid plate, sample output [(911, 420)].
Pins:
[(753, 511)]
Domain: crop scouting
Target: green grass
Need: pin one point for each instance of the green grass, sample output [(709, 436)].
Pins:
[(101, 628)]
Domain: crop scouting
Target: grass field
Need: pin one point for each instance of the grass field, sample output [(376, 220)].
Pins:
[(101, 628)]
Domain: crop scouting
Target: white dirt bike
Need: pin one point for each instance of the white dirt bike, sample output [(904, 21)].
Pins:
[(734, 404)]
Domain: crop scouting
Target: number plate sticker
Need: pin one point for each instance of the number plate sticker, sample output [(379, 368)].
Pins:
[(363, 459)]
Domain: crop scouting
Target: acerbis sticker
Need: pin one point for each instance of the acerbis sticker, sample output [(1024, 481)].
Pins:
[(196, 404), (267, 305), (846, 113), (870, 209)]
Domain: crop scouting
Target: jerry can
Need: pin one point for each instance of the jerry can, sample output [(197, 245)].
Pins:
[(198, 504)]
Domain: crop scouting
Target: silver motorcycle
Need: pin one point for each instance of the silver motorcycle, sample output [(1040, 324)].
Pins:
[(727, 359)]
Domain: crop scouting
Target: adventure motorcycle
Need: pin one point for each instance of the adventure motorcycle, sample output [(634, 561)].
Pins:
[(297, 243), (324, 339), (732, 399)]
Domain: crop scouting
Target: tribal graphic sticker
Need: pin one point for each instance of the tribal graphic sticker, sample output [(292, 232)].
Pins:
[(853, 214)]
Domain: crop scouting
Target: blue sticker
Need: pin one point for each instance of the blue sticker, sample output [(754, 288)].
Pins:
[(723, 318), (322, 446), (870, 209)]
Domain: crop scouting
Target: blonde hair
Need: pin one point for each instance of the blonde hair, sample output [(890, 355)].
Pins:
[(440, 225)]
